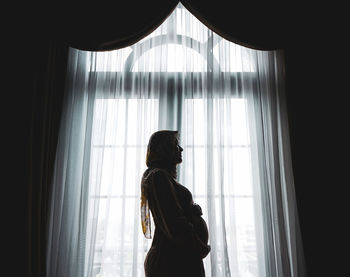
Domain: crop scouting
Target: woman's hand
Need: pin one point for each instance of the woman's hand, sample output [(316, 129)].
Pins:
[(204, 249), (197, 210)]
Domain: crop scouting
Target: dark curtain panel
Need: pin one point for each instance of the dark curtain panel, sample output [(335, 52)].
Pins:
[(100, 28), (48, 67)]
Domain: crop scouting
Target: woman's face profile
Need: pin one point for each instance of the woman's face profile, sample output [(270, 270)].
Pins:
[(178, 152)]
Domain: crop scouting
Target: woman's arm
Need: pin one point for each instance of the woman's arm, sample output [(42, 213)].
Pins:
[(169, 215), (165, 207)]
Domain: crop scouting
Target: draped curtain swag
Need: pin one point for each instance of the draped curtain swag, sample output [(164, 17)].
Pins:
[(254, 24)]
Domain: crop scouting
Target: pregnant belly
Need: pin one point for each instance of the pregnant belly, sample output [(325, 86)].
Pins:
[(201, 229)]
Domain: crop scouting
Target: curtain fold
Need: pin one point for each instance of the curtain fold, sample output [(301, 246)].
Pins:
[(279, 192), (47, 86), (227, 102)]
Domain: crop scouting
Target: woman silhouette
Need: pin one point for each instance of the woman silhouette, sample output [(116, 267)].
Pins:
[(180, 239)]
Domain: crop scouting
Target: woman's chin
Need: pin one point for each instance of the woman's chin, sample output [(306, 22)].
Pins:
[(178, 161)]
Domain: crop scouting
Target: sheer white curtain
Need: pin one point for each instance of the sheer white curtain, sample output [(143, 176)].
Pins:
[(228, 103)]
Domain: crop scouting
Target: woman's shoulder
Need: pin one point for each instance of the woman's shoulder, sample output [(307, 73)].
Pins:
[(159, 174), (154, 171)]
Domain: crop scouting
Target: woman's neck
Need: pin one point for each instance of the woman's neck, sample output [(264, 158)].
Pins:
[(171, 168)]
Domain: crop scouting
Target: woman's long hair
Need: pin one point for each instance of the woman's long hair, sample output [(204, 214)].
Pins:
[(161, 153)]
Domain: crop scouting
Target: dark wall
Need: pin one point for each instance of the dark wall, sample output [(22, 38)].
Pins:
[(23, 64), (315, 95)]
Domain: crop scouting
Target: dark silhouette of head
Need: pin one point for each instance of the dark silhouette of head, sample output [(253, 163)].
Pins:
[(163, 150)]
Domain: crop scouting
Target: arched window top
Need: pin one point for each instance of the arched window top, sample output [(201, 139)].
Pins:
[(170, 58), (181, 22), (181, 44)]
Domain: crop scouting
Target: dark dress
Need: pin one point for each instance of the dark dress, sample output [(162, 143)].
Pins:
[(177, 248)]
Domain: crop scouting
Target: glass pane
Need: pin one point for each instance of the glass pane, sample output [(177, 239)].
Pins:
[(109, 121), (99, 122), (238, 173), (230, 126), (199, 116), (245, 236), (132, 181), (239, 121), (200, 184), (112, 168)]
